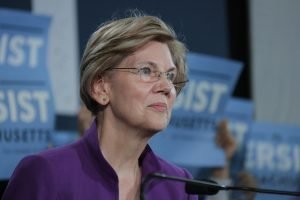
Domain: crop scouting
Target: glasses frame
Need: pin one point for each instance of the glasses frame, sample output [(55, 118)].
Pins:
[(178, 85)]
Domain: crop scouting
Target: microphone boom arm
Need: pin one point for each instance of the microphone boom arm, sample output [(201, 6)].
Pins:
[(262, 190), (208, 187)]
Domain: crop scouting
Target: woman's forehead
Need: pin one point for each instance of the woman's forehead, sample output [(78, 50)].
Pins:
[(153, 48)]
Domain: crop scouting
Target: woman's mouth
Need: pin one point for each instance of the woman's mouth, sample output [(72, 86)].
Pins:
[(161, 107)]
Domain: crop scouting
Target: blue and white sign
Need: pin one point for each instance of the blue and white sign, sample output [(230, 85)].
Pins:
[(189, 139), (239, 113), (273, 158), (26, 101)]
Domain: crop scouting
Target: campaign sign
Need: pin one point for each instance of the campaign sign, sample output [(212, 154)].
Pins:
[(239, 114), (273, 158), (26, 101), (189, 138)]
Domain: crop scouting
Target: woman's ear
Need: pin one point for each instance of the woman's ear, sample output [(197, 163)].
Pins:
[(99, 91)]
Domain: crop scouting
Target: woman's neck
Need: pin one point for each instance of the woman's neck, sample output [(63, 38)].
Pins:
[(122, 148)]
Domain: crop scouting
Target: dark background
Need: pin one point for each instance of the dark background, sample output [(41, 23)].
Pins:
[(214, 27)]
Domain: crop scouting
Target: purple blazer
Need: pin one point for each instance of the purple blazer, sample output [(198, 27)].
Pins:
[(79, 171)]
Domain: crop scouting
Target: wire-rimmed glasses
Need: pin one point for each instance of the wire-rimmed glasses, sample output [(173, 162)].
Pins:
[(148, 74)]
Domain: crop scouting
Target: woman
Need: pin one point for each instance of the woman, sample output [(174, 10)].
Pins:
[(131, 72)]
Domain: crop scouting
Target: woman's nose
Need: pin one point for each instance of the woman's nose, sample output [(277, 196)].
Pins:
[(164, 85)]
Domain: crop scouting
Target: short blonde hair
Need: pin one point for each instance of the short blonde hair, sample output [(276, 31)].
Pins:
[(115, 40)]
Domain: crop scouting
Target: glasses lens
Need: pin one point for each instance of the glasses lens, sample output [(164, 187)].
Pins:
[(145, 73)]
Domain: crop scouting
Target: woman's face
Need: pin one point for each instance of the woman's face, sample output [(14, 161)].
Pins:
[(139, 104)]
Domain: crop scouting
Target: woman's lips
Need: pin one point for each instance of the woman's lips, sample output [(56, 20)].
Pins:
[(161, 107)]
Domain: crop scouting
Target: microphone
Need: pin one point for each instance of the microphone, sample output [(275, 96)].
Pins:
[(208, 187)]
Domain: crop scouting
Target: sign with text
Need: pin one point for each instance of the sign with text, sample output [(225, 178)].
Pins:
[(239, 113), (273, 158), (26, 101), (189, 139)]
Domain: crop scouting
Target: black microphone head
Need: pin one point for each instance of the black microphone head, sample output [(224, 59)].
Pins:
[(201, 188)]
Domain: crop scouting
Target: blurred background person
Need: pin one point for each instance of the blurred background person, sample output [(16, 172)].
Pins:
[(226, 141), (85, 119)]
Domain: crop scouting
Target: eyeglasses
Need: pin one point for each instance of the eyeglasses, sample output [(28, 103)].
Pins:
[(148, 74)]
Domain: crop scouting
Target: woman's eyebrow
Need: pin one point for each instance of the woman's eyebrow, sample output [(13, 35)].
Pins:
[(155, 66), (152, 64), (172, 69)]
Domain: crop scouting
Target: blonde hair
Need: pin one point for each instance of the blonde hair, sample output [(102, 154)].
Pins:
[(115, 40)]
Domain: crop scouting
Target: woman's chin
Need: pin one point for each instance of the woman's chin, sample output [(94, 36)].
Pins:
[(157, 129)]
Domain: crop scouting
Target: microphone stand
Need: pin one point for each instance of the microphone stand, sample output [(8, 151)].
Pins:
[(208, 187)]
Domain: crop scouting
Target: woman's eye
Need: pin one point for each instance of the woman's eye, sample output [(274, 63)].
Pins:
[(171, 76), (145, 70)]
